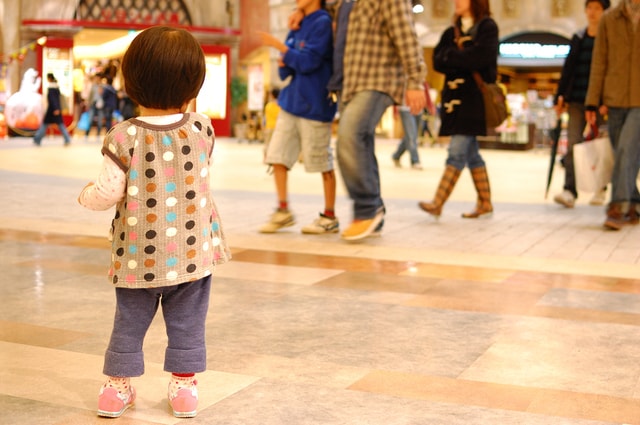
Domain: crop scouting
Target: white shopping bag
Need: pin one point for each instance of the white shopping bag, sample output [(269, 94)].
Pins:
[(593, 164)]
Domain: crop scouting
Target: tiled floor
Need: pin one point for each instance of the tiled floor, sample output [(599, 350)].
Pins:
[(529, 317)]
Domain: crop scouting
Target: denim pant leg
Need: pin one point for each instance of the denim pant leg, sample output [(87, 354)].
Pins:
[(402, 147), (418, 120), (37, 137), (409, 142), (184, 308), (356, 150), (464, 151), (92, 113), (65, 133), (575, 129), (624, 131), (108, 118), (135, 309), (100, 115)]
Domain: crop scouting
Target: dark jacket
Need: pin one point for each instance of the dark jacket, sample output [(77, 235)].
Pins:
[(53, 99), (110, 97), (462, 108), (309, 63), (567, 78)]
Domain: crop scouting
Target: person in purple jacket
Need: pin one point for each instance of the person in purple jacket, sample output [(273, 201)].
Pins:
[(303, 128)]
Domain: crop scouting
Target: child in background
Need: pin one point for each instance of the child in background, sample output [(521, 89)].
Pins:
[(303, 129), (166, 236), (271, 111)]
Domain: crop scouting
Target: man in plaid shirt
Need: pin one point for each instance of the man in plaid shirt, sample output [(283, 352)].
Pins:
[(382, 65)]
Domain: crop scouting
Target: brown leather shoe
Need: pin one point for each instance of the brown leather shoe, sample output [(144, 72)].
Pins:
[(632, 215), (616, 219)]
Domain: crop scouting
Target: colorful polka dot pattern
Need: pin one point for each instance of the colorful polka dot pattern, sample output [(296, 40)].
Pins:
[(166, 231)]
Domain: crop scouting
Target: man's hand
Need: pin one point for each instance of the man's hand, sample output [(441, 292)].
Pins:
[(270, 41), (559, 106), (294, 19), (416, 101), (604, 110), (590, 117)]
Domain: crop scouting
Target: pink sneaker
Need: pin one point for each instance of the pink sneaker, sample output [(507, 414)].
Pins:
[(183, 397), (112, 403)]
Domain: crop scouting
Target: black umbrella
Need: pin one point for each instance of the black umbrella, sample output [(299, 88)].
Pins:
[(555, 137)]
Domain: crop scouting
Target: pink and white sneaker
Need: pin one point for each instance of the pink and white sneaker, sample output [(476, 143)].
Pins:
[(183, 396), (113, 401)]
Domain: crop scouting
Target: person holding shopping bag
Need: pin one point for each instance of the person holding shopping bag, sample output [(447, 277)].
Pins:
[(572, 89), (613, 84)]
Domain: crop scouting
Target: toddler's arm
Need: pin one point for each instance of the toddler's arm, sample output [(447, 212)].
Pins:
[(108, 189)]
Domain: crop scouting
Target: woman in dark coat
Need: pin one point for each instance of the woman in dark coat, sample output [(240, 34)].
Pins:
[(471, 44), (53, 114)]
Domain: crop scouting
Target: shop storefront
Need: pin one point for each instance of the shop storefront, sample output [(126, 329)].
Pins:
[(89, 40), (529, 65)]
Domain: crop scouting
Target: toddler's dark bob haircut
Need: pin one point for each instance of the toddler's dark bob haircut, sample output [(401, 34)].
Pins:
[(163, 68)]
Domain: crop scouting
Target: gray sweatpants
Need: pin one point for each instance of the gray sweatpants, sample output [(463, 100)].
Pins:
[(184, 308)]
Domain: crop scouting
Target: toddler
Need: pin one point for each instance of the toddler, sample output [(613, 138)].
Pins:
[(166, 234)]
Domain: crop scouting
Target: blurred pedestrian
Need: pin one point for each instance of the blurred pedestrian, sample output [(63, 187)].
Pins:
[(303, 127), (53, 114), (470, 45), (571, 93), (614, 84), (382, 65)]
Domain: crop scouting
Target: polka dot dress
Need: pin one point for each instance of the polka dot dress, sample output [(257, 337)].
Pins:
[(166, 230)]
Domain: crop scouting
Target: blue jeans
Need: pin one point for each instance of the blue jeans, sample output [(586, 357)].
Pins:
[(184, 308), (108, 118), (464, 151), (624, 131), (37, 138), (410, 124), (95, 112), (356, 150)]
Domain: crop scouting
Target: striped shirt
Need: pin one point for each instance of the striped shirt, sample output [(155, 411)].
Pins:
[(382, 52)]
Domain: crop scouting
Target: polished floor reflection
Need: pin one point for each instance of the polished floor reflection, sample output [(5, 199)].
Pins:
[(530, 317)]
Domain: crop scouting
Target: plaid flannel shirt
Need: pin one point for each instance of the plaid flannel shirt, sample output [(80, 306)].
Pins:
[(382, 51)]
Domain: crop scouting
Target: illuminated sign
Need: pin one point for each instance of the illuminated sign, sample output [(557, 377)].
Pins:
[(534, 50), (212, 99)]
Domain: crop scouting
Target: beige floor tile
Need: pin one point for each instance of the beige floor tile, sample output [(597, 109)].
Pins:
[(446, 390), (478, 274), (274, 273), (40, 336), (73, 380)]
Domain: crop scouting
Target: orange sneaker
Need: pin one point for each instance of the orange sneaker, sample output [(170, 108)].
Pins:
[(360, 229)]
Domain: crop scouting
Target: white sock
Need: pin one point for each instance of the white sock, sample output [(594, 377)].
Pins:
[(122, 385)]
